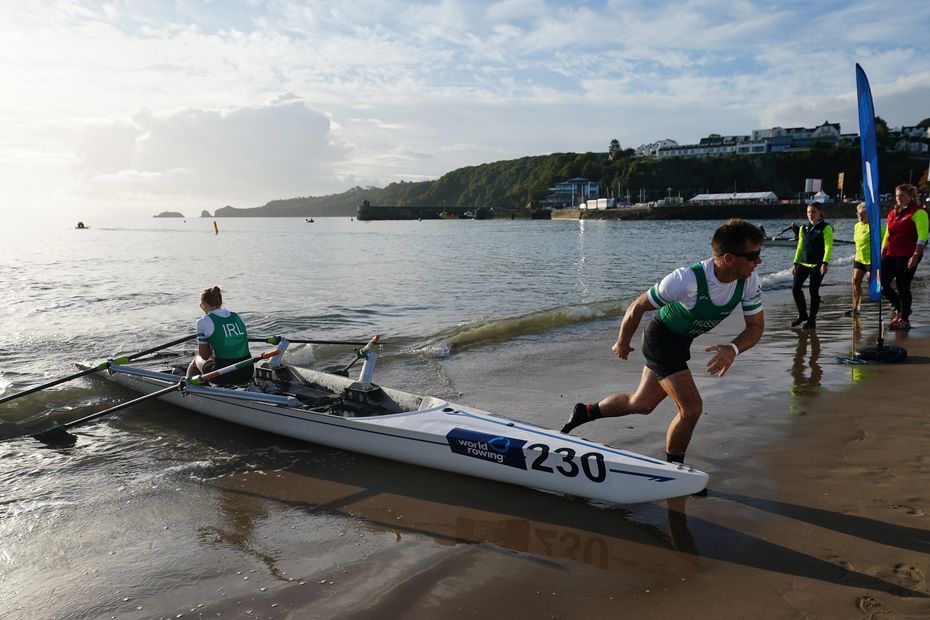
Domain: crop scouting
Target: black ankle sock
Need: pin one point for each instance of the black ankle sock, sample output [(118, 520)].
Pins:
[(594, 411), (674, 458)]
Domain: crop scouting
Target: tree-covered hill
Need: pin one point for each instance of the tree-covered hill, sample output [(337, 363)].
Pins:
[(526, 181)]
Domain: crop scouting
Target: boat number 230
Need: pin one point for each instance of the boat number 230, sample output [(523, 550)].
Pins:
[(591, 463)]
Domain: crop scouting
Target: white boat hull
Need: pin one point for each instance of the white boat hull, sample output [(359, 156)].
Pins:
[(435, 433)]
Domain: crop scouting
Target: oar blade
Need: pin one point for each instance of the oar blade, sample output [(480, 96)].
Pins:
[(49, 431)]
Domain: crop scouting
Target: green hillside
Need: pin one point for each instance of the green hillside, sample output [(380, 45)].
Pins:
[(521, 182)]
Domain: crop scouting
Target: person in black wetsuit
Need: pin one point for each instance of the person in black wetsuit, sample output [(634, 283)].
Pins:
[(811, 259)]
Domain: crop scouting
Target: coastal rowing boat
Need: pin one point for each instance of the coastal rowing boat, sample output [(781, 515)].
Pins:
[(360, 416)]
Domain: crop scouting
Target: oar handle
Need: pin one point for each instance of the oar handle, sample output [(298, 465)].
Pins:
[(126, 358), (201, 379)]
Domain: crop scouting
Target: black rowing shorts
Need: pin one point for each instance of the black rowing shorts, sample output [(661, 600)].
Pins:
[(666, 352), (236, 377)]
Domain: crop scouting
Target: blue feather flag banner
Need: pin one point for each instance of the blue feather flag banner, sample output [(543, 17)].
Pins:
[(873, 207)]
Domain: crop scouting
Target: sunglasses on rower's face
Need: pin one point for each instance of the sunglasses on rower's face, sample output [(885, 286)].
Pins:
[(750, 256)]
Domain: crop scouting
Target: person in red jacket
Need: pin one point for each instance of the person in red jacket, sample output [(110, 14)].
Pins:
[(902, 248)]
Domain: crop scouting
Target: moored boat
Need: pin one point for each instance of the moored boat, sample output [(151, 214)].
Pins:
[(360, 416)]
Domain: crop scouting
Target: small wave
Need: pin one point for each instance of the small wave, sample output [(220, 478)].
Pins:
[(494, 331), (783, 279)]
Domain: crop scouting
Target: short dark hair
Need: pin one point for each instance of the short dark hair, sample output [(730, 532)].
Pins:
[(733, 236)]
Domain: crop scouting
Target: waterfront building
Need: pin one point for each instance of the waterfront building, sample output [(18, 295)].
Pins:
[(571, 193), (762, 198)]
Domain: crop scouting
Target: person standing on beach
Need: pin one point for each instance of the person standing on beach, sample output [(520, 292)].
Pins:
[(902, 249), (862, 261), (690, 301), (811, 259)]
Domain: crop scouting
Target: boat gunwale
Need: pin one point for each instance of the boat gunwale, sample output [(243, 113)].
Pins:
[(221, 394)]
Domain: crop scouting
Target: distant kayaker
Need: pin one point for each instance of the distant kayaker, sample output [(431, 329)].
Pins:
[(222, 340), (811, 259), (691, 301), (80, 225)]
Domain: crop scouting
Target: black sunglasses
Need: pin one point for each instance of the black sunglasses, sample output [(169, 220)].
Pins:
[(750, 256)]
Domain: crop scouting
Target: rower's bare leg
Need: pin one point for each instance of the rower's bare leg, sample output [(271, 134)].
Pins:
[(644, 400), (646, 397), (684, 393)]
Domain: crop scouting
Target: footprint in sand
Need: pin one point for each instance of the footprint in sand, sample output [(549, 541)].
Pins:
[(910, 577), (871, 607)]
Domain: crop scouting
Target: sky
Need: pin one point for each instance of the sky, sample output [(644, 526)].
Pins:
[(134, 107)]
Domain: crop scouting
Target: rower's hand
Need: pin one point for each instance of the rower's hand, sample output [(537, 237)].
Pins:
[(622, 350), (723, 358), (823, 268)]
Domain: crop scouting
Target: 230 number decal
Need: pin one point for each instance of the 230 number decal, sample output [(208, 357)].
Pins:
[(591, 463)]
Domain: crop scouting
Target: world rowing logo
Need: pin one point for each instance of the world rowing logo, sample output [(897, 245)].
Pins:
[(493, 448)]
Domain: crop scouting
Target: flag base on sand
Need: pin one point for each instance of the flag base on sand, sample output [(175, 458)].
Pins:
[(875, 355)]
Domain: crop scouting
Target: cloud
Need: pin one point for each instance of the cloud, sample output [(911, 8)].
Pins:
[(212, 103), (241, 155)]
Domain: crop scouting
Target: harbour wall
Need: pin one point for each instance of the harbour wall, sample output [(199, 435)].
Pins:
[(710, 212), (381, 212)]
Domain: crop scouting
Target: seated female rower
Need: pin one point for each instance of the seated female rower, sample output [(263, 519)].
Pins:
[(222, 340)]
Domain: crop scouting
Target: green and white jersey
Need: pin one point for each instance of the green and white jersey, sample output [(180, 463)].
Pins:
[(225, 332), (692, 301)]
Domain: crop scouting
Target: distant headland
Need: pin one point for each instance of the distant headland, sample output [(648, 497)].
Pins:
[(169, 214)]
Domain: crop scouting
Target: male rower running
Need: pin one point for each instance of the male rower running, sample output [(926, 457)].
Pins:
[(691, 301)]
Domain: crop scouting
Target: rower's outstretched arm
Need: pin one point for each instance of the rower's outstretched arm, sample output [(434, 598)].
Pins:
[(631, 319), (725, 354)]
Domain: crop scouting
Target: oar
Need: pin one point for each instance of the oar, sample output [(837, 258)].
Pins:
[(277, 340), (359, 354), (53, 428), (98, 367)]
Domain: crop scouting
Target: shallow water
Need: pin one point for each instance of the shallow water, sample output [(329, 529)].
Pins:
[(156, 511)]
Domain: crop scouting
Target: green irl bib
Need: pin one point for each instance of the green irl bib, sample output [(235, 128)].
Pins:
[(229, 339), (705, 315)]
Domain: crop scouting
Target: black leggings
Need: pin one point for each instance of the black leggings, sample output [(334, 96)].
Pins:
[(894, 268), (797, 289)]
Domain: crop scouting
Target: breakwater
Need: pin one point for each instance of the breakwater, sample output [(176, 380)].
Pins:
[(368, 211), (747, 211), (710, 212)]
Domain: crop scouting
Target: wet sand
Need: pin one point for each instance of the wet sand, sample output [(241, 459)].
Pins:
[(817, 508)]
